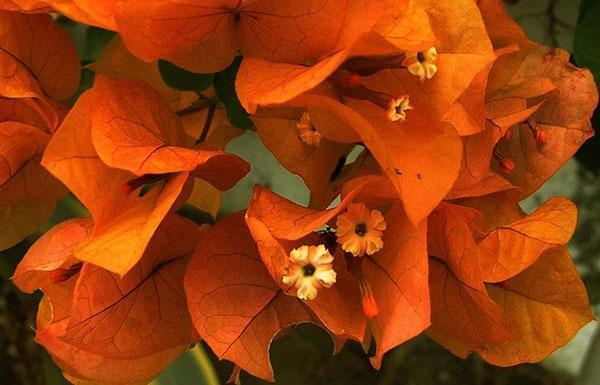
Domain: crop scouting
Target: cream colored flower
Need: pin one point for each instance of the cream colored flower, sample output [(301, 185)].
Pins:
[(422, 64), (310, 269), (307, 132), (398, 107), (359, 230)]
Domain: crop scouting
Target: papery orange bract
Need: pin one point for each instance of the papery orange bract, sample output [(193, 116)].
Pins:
[(20, 142), (398, 277), (28, 6), (124, 223), (563, 118), (262, 82), (544, 306), (456, 27), (54, 250), (205, 37), (84, 365), (18, 110), (451, 239), (315, 164), (277, 226), (22, 219), (39, 68), (547, 294), (538, 108), (510, 249), (45, 49), (422, 175), (396, 273), (470, 248), (420, 159), (465, 53), (502, 29), (463, 317), (136, 131), (142, 312), (27, 191), (406, 25), (205, 197), (97, 13), (118, 63), (446, 161), (227, 284), (137, 324)]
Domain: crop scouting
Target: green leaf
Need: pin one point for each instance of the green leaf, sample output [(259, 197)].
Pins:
[(86, 82), (196, 215), (585, 4), (96, 40), (89, 41), (586, 53), (184, 80), (305, 357), (237, 116), (225, 89), (195, 366), (586, 44)]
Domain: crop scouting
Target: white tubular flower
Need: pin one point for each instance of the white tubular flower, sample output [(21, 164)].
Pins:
[(310, 269), (422, 64)]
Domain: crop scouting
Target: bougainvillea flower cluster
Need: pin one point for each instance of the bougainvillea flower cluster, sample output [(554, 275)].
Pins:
[(456, 115)]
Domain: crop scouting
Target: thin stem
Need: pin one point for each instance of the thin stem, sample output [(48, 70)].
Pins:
[(198, 105), (367, 66), (552, 11), (212, 107), (205, 365)]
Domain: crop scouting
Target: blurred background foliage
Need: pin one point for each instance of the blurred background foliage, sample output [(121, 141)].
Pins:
[(305, 355)]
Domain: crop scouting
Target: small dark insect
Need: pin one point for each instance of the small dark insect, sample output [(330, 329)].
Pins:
[(338, 168), (329, 239)]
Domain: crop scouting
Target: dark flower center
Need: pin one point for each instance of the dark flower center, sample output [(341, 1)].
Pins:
[(308, 270), (420, 57), (361, 229)]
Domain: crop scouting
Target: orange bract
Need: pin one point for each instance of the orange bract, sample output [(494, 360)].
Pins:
[(421, 156), (46, 50), (53, 251), (101, 327), (393, 277), (314, 162), (454, 115), (28, 6), (93, 143), (39, 69), (204, 36), (227, 284), (538, 110), (477, 256)]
